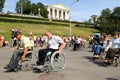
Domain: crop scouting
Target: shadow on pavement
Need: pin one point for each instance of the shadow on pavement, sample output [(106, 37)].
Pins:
[(94, 61), (111, 79), (51, 76), (90, 51)]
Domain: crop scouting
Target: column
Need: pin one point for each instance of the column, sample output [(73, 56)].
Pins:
[(58, 14), (49, 12), (66, 15), (69, 15), (55, 13)]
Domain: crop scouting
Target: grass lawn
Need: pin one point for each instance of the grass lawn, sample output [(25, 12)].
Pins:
[(40, 29)]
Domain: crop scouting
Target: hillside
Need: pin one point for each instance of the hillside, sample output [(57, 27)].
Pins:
[(40, 26)]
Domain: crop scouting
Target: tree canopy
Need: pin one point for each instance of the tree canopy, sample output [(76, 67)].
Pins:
[(109, 20), (2, 2), (26, 7)]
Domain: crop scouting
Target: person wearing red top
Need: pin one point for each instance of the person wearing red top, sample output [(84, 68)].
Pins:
[(1, 41), (83, 41)]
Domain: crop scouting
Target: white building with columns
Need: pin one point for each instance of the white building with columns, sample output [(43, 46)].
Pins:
[(58, 12)]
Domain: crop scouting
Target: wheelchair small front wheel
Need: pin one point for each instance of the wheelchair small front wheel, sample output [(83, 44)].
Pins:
[(58, 61), (115, 62)]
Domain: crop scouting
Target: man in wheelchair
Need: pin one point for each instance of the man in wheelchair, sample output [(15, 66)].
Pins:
[(77, 43), (22, 48), (54, 43), (113, 48)]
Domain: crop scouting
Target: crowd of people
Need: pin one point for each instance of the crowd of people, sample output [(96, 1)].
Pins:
[(3, 42), (77, 42), (25, 44), (100, 43), (50, 42)]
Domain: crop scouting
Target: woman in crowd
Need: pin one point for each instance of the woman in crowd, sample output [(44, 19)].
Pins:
[(104, 40), (100, 45), (113, 47)]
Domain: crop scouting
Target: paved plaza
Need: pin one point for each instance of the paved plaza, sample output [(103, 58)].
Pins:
[(80, 66)]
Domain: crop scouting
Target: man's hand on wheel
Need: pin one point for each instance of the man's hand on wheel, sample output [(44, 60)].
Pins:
[(58, 52)]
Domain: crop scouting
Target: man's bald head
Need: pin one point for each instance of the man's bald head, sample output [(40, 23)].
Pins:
[(49, 34)]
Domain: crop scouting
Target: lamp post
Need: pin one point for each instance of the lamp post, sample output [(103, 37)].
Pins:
[(70, 15), (39, 11)]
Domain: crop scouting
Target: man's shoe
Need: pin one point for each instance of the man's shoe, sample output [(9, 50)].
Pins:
[(9, 70), (39, 67), (6, 66)]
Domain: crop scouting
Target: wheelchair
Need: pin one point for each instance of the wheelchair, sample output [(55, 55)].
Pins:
[(27, 64), (53, 62), (77, 47), (99, 51), (116, 60)]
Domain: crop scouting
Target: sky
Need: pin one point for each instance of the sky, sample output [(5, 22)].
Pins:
[(80, 11)]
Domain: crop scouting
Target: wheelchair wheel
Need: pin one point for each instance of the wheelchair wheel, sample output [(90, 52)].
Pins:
[(58, 61), (119, 60), (28, 63), (102, 57), (115, 62)]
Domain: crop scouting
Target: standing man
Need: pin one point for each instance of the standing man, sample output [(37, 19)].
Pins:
[(23, 46), (54, 43)]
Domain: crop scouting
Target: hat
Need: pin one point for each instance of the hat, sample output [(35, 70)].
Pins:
[(16, 33)]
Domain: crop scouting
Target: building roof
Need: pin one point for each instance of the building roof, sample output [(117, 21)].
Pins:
[(59, 6)]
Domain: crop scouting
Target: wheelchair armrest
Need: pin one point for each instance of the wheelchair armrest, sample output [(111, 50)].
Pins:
[(29, 54)]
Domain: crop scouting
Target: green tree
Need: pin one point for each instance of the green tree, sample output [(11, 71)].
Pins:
[(18, 7), (43, 10), (2, 2), (23, 6), (26, 7), (115, 16), (104, 20), (110, 20), (34, 9)]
